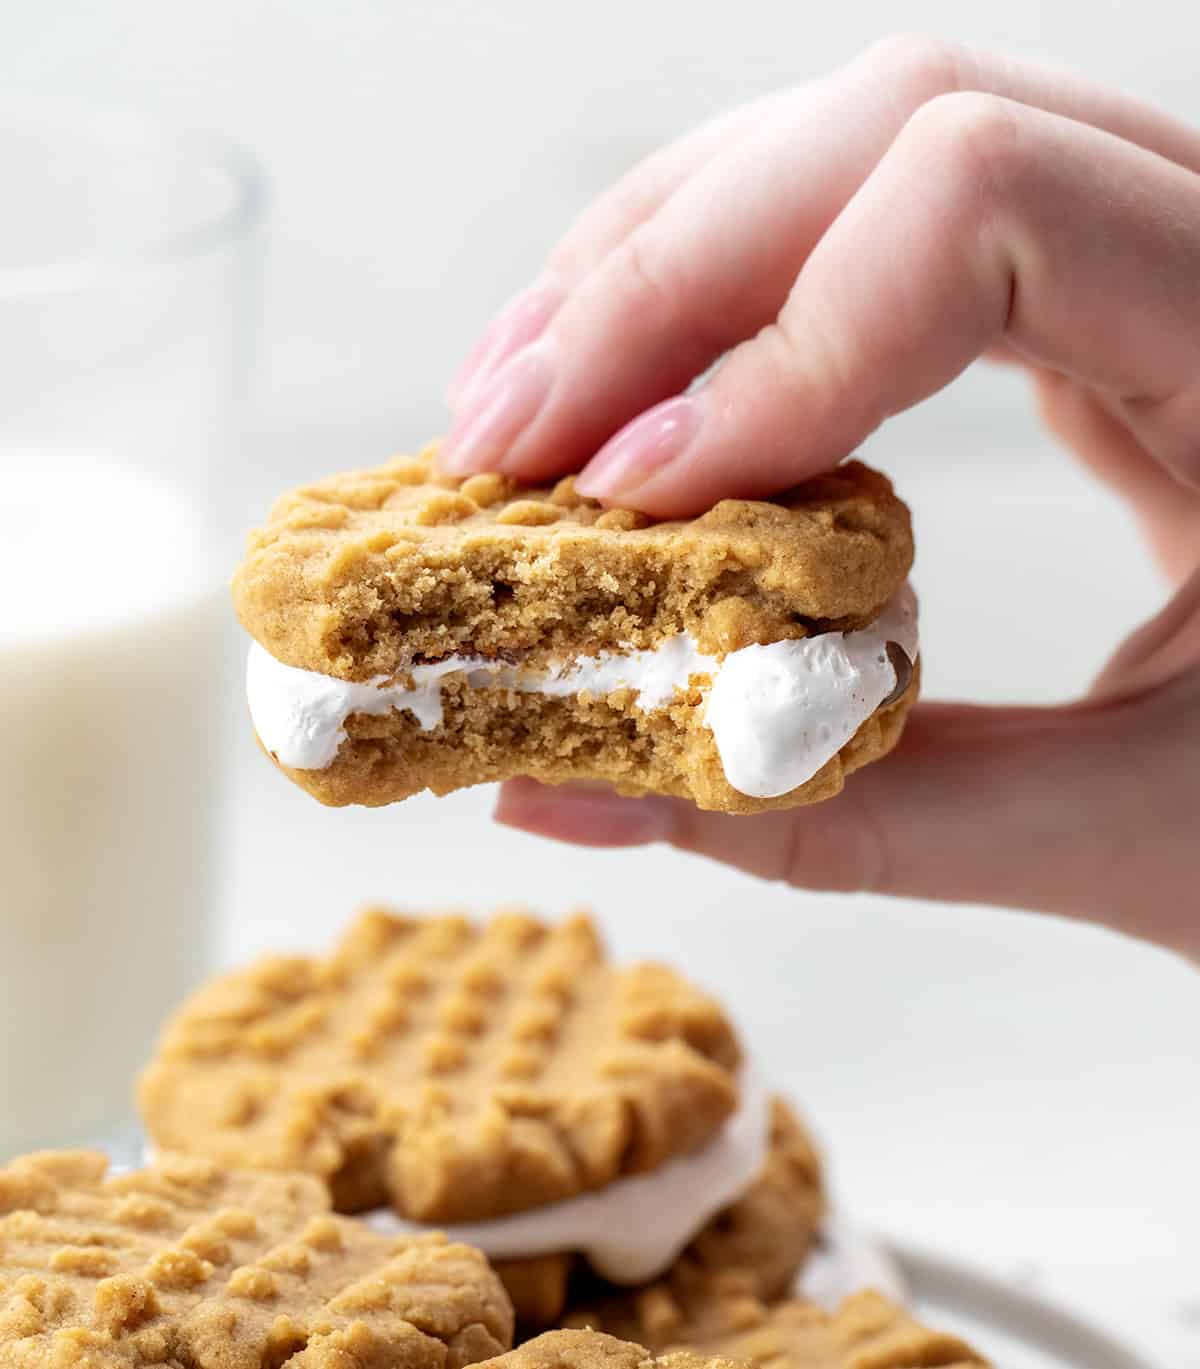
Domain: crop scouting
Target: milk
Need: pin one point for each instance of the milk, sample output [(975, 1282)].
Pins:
[(110, 688)]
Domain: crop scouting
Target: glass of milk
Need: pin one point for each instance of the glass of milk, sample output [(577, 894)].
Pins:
[(127, 256)]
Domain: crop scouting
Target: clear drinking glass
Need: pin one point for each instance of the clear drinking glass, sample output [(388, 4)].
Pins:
[(127, 266)]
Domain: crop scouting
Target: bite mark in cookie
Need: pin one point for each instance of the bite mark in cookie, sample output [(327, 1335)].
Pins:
[(410, 637)]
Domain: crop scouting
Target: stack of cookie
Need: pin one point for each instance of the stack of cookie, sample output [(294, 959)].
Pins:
[(513, 1122), (189, 1265), (443, 1137), (581, 1124)]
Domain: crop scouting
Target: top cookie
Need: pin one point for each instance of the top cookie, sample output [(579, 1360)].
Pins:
[(361, 574), (458, 1072), (185, 1264)]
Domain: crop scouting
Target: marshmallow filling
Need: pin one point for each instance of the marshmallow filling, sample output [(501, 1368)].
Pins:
[(634, 1228), (778, 712)]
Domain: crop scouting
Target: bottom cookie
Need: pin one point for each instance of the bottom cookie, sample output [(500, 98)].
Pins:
[(867, 1332), (723, 1317), (185, 1263), (594, 1350)]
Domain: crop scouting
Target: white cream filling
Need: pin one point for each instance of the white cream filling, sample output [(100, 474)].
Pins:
[(634, 1228), (777, 712)]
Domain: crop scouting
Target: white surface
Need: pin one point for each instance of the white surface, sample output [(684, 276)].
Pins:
[(1019, 1329), (1011, 1088)]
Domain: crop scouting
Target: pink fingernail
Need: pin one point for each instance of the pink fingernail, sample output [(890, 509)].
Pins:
[(522, 319), (640, 449), (495, 414)]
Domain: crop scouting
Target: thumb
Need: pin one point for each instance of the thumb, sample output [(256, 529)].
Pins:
[(1077, 811)]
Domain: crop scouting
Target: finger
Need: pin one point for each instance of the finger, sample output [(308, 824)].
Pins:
[(715, 261), (1157, 652), (1005, 355), (1080, 250), (638, 195), (522, 320), (630, 202), (1021, 808), (1169, 514)]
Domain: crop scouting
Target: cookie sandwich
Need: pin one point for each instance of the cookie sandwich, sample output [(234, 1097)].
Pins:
[(508, 1085), (188, 1263), (414, 631)]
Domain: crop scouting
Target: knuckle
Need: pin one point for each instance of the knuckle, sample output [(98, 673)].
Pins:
[(648, 285), (846, 857), (777, 362), (645, 270), (575, 253), (818, 347), (776, 348), (569, 259), (973, 138), (921, 66), (593, 233)]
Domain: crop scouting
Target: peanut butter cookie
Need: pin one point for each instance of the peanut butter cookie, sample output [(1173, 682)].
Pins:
[(184, 1263), (867, 1332), (451, 1071)]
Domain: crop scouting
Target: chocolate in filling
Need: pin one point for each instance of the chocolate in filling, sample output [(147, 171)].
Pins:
[(904, 672)]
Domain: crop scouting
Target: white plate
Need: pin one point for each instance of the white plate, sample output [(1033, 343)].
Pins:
[(1015, 1330)]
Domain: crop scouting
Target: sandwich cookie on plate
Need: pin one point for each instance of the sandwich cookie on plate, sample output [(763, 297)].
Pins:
[(506, 1084)]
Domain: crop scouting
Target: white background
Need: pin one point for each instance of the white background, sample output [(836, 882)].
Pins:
[(1021, 1092)]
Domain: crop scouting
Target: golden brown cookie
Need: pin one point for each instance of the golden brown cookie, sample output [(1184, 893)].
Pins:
[(765, 1235), (594, 1350), (186, 1264), (357, 572), (377, 579), (457, 1072), (868, 1331)]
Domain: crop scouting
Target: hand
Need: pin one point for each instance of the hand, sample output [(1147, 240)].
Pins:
[(853, 246)]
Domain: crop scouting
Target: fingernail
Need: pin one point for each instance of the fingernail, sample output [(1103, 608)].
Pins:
[(521, 320), (640, 449), (500, 408)]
